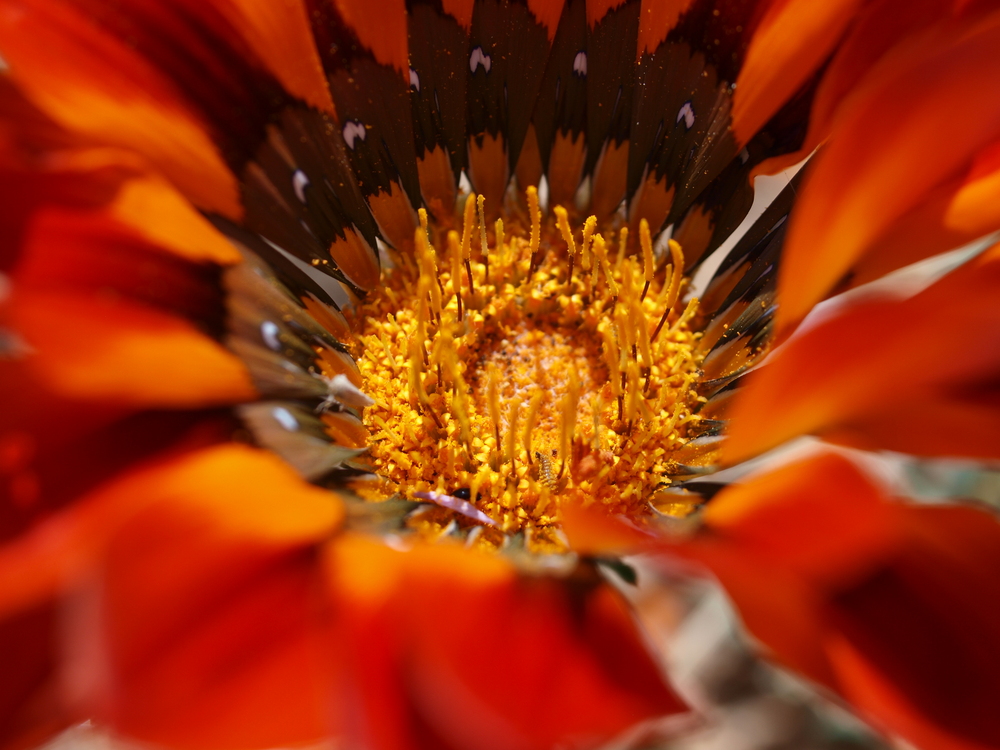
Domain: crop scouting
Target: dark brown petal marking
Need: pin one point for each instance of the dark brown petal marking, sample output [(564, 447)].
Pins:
[(372, 100), (561, 107), (508, 50), (724, 204), (439, 59), (610, 83), (681, 128)]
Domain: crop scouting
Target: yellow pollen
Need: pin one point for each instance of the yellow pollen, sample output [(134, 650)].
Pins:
[(522, 381)]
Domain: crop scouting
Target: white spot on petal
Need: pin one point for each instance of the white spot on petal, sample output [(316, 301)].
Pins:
[(477, 58), (352, 131), (744, 156), (269, 332), (414, 79), (299, 184), (285, 419), (580, 64), (686, 113)]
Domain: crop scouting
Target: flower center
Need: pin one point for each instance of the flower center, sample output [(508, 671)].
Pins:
[(532, 373)]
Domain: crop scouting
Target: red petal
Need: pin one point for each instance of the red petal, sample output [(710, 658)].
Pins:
[(230, 483), (916, 375), (793, 39), (454, 649), (925, 100), (104, 348), (30, 711), (894, 606), (106, 91)]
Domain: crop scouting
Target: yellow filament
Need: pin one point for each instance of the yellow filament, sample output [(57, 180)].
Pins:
[(562, 223), (493, 395), (677, 258), (536, 225), (529, 422), (588, 234), (567, 427), (501, 254), (468, 224), (511, 441), (601, 251), (689, 311), (456, 270)]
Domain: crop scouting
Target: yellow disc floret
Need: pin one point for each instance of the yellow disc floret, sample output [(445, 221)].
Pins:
[(527, 375)]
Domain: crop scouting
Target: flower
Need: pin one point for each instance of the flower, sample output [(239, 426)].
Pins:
[(175, 374)]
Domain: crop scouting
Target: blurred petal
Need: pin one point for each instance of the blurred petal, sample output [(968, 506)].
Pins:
[(29, 709), (793, 39), (916, 375), (211, 609), (279, 33), (953, 214), (876, 28), (230, 486), (107, 91), (894, 606), (110, 349), (451, 648), (924, 100)]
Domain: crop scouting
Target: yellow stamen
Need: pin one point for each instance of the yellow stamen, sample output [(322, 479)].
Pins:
[(503, 384), (536, 228), (567, 427), (529, 422), (481, 201), (468, 226), (647, 255)]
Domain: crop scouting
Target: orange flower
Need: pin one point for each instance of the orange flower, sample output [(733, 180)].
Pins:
[(195, 549)]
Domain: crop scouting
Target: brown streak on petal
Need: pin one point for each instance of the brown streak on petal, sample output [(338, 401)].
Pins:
[(488, 168), (565, 167), (345, 429), (608, 189), (356, 259), (656, 20), (395, 217), (694, 233), (333, 363), (651, 202)]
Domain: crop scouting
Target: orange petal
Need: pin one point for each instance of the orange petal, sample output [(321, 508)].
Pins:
[(953, 214), (279, 33), (793, 39), (918, 121), (381, 28), (163, 216), (877, 27), (103, 89), (255, 497), (89, 346), (812, 520), (594, 532), (656, 20), (445, 642), (121, 185), (886, 370), (211, 608), (891, 605), (915, 641)]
